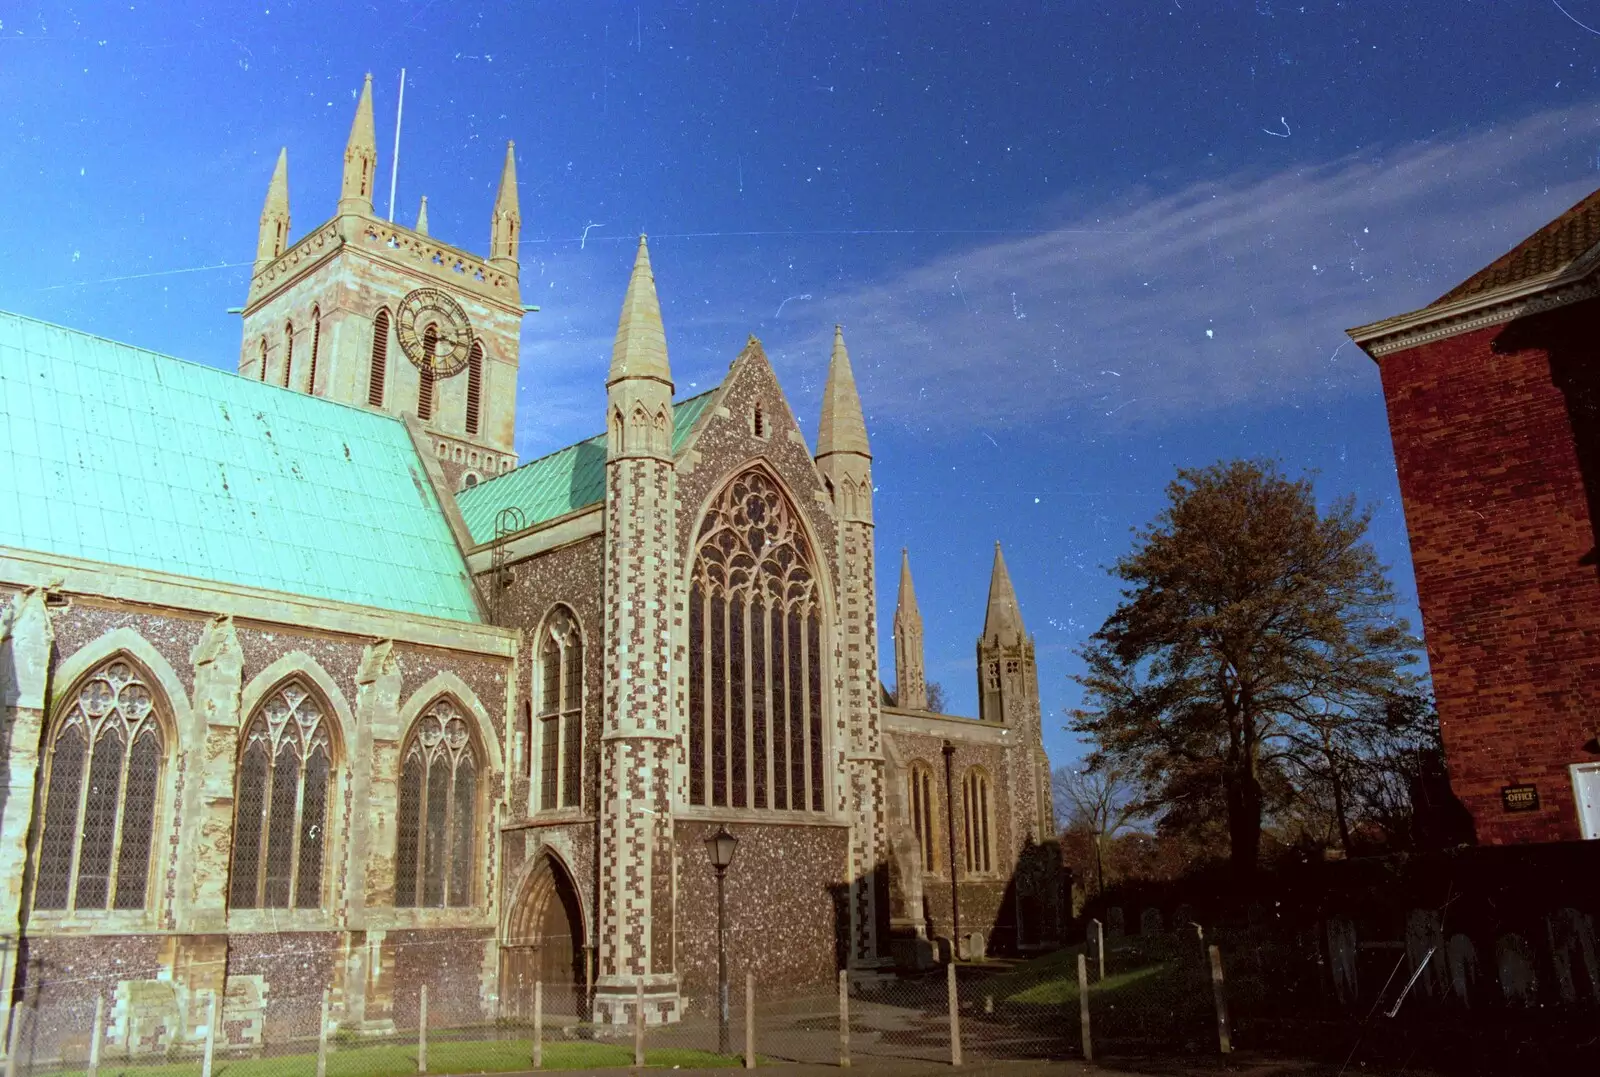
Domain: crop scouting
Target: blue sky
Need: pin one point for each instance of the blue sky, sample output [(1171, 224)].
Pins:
[(1074, 245)]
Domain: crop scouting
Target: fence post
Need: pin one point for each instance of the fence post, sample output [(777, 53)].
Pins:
[(211, 1038), (638, 1025), (538, 1024), (955, 1013), (97, 1035), (422, 1032), (844, 1019), (1083, 1007), (11, 1039), (322, 1038), (1100, 948), (749, 1020), (1220, 994)]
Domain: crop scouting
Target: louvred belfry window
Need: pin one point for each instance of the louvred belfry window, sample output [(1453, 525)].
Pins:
[(559, 775), (430, 343), (288, 354), (316, 344), (437, 811), (102, 785), (380, 358), (280, 831), (756, 635), (474, 386)]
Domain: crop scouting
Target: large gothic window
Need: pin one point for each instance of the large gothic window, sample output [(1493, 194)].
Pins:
[(102, 782), (281, 823), (437, 811), (558, 777), (925, 815), (756, 635), (975, 804)]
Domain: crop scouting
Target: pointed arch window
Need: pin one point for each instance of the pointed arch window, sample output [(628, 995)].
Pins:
[(474, 386), (559, 778), (288, 353), (316, 343), (925, 815), (975, 803), (430, 342), (281, 813), (438, 809), (106, 754), (380, 358), (756, 635)]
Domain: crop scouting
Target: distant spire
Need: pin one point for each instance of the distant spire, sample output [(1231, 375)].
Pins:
[(640, 350), (422, 218), (911, 687), (1003, 624), (842, 429), (505, 230), (274, 237), (360, 158)]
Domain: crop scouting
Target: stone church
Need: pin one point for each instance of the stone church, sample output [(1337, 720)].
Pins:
[(306, 683)]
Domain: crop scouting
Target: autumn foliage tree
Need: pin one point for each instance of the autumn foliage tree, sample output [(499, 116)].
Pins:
[(1252, 658)]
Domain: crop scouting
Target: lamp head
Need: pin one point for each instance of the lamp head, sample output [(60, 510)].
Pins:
[(721, 846)]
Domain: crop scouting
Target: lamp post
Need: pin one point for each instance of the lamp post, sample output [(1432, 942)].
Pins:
[(721, 846)]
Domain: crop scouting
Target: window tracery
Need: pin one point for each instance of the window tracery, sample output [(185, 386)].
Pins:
[(106, 755), (975, 805), (281, 820), (437, 811), (755, 655), (925, 815)]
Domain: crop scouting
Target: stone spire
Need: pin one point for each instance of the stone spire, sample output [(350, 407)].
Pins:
[(640, 351), (360, 158), (911, 682), (842, 429), (422, 218), (506, 229), (273, 239), (1003, 624)]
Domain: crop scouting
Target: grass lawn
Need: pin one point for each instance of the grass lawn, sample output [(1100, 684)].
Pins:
[(446, 1056)]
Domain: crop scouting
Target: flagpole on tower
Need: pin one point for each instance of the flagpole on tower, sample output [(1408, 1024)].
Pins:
[(394, 168)]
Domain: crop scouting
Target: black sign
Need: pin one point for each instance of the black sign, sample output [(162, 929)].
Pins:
[(1519, 797)]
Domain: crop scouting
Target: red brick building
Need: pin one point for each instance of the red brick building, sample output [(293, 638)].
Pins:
[(1493, 395)]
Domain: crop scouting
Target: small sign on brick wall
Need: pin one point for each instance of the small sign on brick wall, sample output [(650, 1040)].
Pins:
[(1519, 797)]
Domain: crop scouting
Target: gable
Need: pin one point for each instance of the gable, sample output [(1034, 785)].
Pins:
[(115, 454)]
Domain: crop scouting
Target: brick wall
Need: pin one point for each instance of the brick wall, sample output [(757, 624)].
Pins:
[(1495, 438)]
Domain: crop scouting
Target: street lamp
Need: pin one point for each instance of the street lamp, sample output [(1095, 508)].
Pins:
[(721, 846)]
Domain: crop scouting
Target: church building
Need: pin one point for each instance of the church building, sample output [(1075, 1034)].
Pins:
[(307, 683)]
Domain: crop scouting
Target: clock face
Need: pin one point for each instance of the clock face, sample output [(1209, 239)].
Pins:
[(452, 332)]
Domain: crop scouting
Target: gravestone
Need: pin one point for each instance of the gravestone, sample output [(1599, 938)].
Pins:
[(1342, 960), (1150, 922), (1182, 917), (1424, 943), (976, 944), (1091, 940), (1572, 953), (1513, 959), (1114, 923), (1461, 960)]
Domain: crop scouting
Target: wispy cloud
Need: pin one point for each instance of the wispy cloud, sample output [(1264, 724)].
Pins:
[(1225, 294)]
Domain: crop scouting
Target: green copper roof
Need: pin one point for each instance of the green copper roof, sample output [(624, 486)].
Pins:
[(566, 480), (115, 454)]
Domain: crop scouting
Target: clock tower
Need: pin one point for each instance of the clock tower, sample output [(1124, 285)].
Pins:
[(377, 315)]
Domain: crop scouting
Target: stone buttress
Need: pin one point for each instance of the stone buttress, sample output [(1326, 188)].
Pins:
[(638, 728), (845, 460)]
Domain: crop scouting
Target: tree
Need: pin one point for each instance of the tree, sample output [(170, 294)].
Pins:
[(935, 692), (1099, 802), (1255, 633)]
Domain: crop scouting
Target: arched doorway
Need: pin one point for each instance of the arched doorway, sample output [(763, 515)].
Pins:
[(544, 943)]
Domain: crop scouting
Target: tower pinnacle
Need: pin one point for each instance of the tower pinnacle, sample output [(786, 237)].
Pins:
[(1003, 623), (273, 239), (911, 683), (360, 158), (640, 350), (422, 218), (505, 230), (842, 429)]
